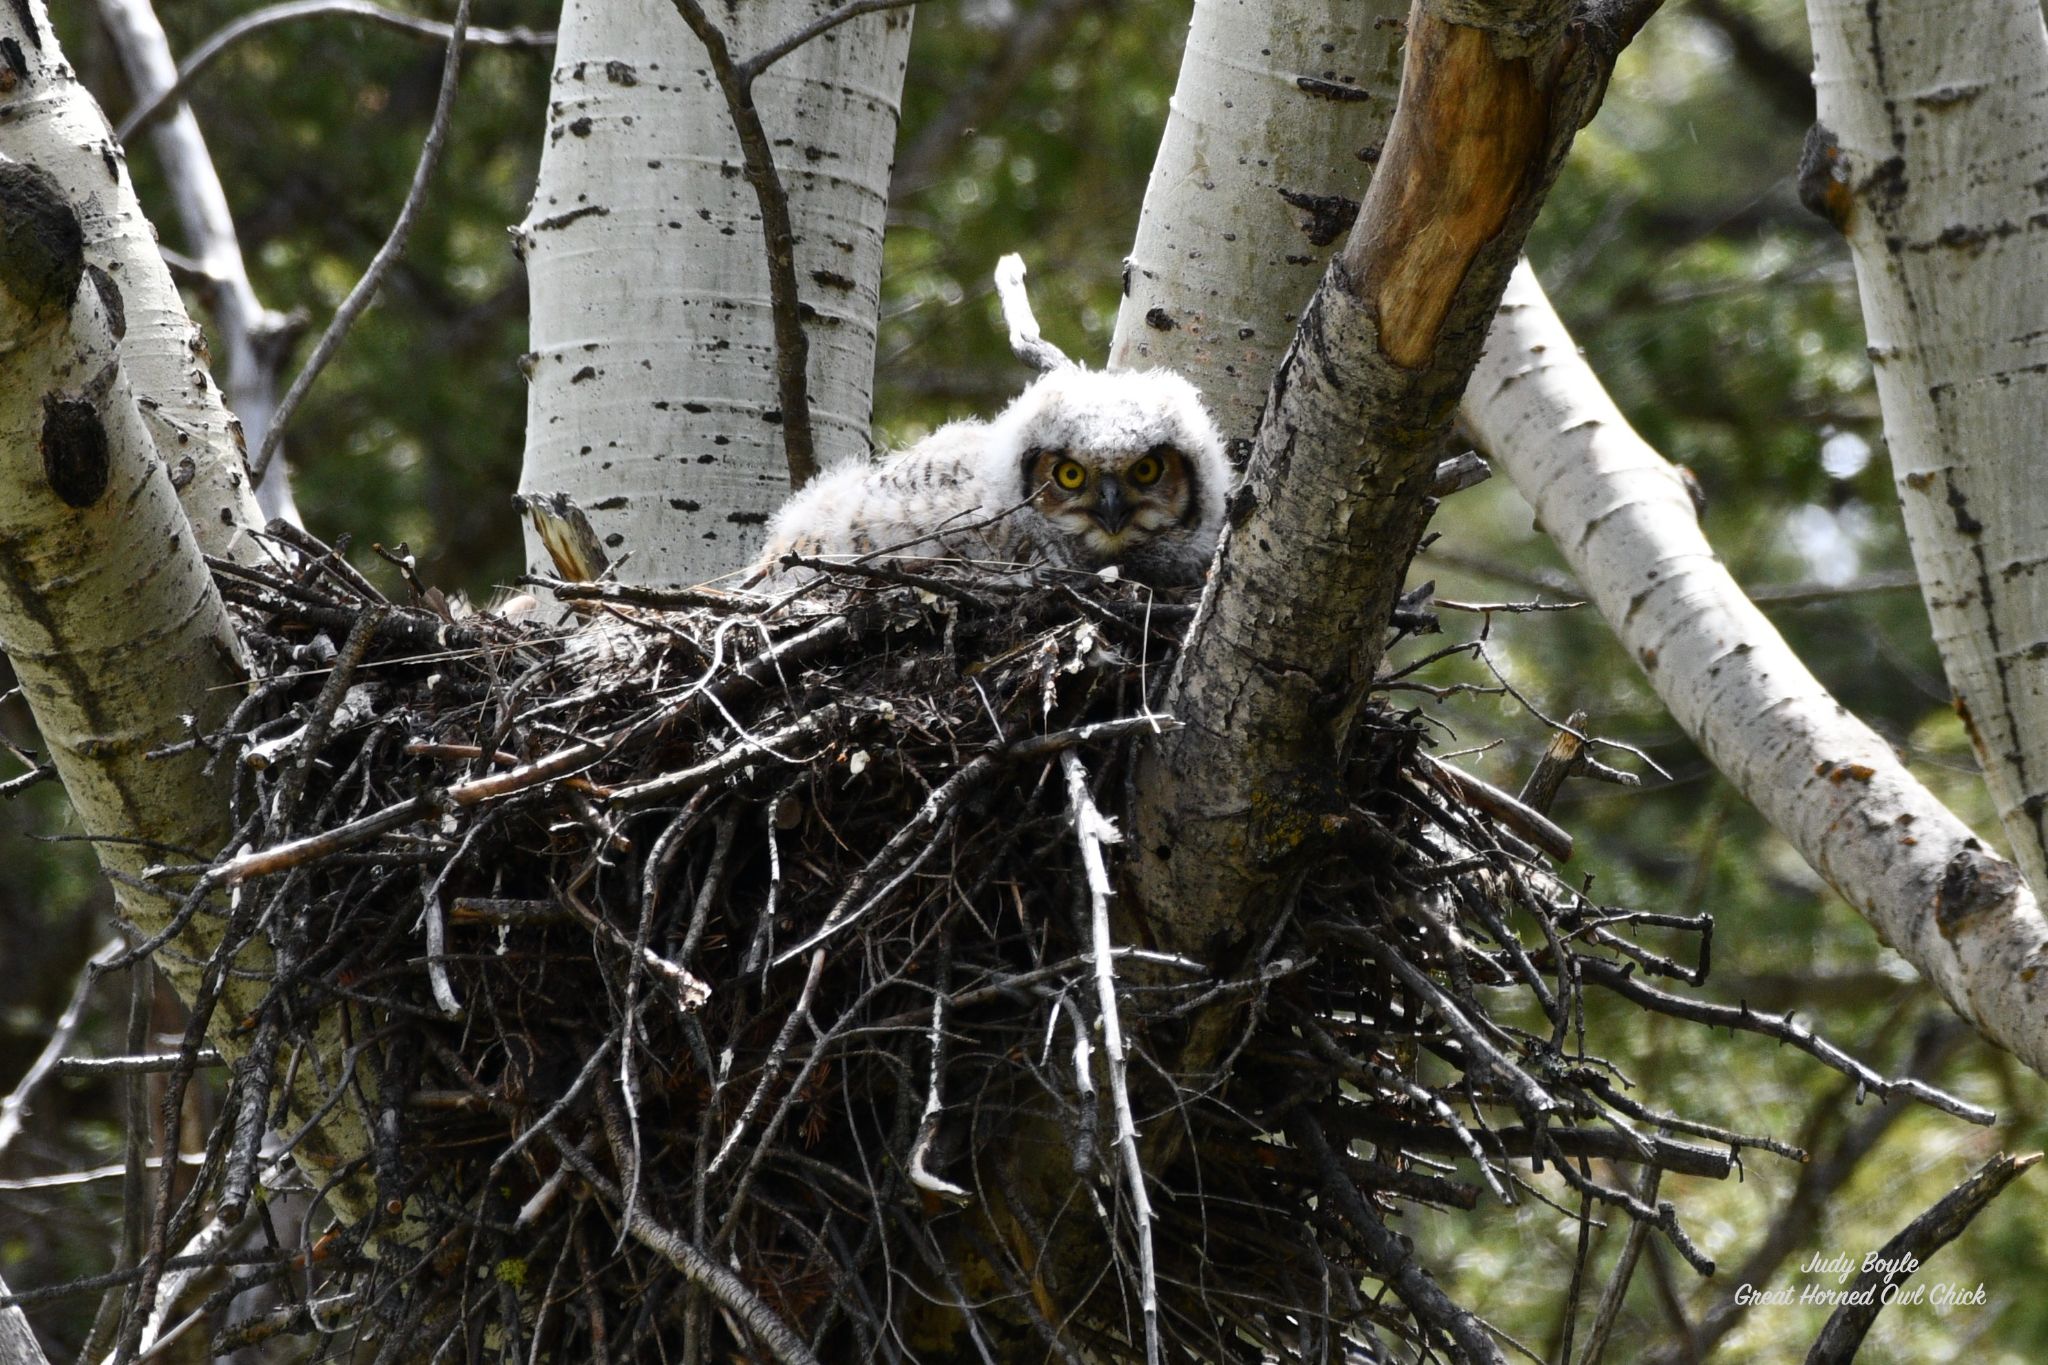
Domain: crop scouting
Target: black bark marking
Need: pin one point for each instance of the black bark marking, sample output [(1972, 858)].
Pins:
[(1331, 90), (747, 518), (1159, 320), (831, 280), (26, 17), (42, 250), (76, 462), (562, 220), (621, 73), (1330, 216), (110, 300), (1974, 881)]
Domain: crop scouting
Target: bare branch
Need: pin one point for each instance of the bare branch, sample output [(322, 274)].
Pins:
[(61, 1033), (394, 246), (782, 47), (792, 347), (1896, 1261), (149, 107)]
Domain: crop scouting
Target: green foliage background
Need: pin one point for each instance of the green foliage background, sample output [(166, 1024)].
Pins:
[(1722, 317)]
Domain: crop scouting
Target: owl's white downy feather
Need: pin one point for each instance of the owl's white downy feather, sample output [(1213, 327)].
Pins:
[(968, 491)]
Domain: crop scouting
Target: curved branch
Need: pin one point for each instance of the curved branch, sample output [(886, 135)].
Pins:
[(1624, 522), (147, 109)]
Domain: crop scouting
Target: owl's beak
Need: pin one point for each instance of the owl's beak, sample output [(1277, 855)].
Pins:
[(1111, 512)]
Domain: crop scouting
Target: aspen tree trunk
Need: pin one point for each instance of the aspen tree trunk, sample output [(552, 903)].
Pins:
[(52, 122), (108, 613), (653, 399), (1275, 124), (1932, 157)]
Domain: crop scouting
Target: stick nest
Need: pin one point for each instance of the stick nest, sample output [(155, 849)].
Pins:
[(720, 978)]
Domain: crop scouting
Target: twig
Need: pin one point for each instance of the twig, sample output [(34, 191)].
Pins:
[(50, 1058), (744, 751), (143, 1064), (782, 47), (697, 1267), (792, 347), (1539, 829), (1093, 832), (1611, 1299), (1785, 1029), (215, 45), (1905, 1253), (394, 246), (1390, 1256)]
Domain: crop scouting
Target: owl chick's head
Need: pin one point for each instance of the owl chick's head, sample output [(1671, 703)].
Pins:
[(1120, 467)]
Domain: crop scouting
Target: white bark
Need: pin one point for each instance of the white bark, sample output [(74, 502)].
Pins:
[(107, 614), (653, 399), (1274, 100), (251, 334), (18, 1344), (1942, 128), (1833, 787), (53, 122)]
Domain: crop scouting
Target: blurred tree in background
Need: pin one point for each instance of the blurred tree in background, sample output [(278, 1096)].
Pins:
[(1723, 318)]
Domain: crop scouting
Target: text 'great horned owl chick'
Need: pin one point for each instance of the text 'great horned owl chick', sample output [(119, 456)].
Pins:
[(1084, 469)]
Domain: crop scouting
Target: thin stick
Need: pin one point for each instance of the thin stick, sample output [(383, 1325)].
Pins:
[(776, 51), (1896, 1261), (225, 37), (16, 1104), (698, 1267), (1093, 832), (394, 246)]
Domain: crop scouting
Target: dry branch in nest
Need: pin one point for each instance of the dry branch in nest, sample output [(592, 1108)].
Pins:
[(701, 969)]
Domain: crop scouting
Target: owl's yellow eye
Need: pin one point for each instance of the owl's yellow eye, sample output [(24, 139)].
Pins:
[(1069, 475), (1146, 471)]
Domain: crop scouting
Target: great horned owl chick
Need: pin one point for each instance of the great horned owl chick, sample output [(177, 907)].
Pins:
[(1084, 469)]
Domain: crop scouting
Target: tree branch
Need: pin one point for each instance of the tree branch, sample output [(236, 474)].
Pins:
[(825, 23), (1960, 914), (792, 346), (149, 106), (394, 246), (1290, 632), (254, 338)]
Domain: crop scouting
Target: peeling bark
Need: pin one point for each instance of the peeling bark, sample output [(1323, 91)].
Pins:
[(1336, 496), (1935, 164)]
